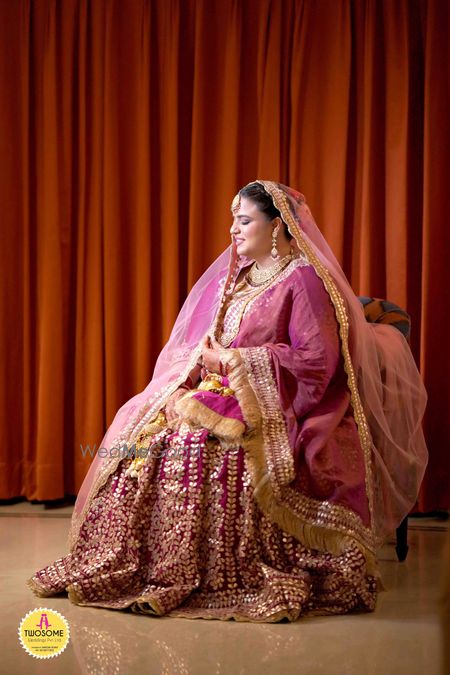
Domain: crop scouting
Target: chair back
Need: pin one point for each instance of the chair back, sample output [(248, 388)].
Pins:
[(377, 310)]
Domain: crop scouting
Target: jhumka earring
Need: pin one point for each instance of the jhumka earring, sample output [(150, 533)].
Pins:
[(274, 251)]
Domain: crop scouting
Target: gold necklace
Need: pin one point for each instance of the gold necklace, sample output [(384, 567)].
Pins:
[(257, 276)]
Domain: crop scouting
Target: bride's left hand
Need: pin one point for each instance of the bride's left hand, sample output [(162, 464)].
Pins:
[(211, 354)]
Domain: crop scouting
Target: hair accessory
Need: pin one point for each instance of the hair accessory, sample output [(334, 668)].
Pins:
[(235, 204)]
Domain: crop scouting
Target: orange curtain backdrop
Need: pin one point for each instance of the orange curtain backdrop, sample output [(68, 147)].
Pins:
[(126, 128)]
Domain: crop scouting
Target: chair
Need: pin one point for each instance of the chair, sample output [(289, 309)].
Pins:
[(383, 311)]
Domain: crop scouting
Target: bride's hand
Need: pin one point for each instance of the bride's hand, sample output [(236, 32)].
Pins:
[(211, 350)]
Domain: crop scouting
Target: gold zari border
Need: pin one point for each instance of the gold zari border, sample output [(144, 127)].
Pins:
[(280, 201)]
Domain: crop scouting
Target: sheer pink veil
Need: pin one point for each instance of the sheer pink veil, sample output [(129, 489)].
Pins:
[(172, 367), (388, 395)]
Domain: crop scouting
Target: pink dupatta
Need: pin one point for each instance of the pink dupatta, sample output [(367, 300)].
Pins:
[(386, 394)]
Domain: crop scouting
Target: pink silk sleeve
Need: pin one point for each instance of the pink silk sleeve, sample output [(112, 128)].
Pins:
[(305, 367)]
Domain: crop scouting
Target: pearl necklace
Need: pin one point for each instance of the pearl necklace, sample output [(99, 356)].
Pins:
[(257, 276)]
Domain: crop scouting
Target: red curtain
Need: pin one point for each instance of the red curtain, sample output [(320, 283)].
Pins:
[(126, 127)]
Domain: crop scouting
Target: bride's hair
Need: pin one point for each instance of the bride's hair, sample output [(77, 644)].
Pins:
[(256, 193)]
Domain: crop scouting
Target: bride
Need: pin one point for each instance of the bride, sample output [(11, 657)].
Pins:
[(276, 446)]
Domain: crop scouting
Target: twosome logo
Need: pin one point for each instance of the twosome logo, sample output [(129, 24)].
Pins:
[(44, 633)]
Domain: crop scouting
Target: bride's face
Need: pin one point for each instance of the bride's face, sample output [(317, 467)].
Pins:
[(251, 230)]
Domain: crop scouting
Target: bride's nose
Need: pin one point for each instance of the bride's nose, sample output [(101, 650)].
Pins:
[(234, 228)]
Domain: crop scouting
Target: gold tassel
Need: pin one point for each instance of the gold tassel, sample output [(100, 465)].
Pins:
[(38, 590)]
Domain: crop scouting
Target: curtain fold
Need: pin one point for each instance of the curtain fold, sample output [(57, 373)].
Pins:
[(125, 130)]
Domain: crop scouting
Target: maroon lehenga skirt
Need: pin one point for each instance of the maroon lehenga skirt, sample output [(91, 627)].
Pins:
[(186, 538)]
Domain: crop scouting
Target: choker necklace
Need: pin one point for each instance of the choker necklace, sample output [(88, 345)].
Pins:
[(257, 276)]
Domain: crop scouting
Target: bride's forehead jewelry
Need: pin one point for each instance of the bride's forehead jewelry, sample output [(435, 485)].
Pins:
[(235, 204)]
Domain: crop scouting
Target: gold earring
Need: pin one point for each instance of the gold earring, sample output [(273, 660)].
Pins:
[(274, 251)]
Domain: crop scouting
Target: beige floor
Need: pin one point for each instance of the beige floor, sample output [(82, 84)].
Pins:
[(404, 635)]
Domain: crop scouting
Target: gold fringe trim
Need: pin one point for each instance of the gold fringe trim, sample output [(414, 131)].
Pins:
[(310, 535), (193, 411), (37, 589), (226, 614), (74, 597)]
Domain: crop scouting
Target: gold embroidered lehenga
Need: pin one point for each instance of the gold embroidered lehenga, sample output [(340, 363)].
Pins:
[(261, 501)]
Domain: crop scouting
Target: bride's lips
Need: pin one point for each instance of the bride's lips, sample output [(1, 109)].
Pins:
[(238, 241)]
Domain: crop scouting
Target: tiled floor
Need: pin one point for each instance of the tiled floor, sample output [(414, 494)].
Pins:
[(404, 635)]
